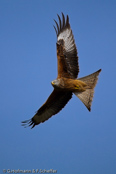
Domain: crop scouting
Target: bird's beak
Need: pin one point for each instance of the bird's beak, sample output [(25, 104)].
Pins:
[(52, 83)]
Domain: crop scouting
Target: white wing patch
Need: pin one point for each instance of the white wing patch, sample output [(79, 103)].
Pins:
[(68, 38)]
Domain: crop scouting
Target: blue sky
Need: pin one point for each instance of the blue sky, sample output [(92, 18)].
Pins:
[(75, 140)]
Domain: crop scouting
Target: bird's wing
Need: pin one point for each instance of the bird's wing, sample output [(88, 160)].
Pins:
[(56, 101), (66, 49)]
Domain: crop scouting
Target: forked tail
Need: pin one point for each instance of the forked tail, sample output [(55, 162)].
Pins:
[(87, 96)]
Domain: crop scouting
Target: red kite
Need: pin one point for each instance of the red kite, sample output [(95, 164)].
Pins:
[(66, 82)]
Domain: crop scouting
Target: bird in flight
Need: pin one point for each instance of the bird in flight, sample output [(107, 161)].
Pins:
[(66, 84)]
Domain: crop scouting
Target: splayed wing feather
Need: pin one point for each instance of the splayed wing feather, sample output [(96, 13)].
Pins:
[(60, 23), (55, 29), (67, 21), (63, 20)]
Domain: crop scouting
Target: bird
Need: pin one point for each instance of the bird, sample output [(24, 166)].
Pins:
[(66, 84)]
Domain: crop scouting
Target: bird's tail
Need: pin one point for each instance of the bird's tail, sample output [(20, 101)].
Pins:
[(87, 96)]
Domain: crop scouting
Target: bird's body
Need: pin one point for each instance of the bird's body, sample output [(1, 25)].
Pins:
[(73, 85), (66, 82)]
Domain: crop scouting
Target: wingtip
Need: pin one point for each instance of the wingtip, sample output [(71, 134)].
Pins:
[(63, 23), (58, 15), (67, 20), (55, 30), (57, 26), (28, 123), (60, 23)]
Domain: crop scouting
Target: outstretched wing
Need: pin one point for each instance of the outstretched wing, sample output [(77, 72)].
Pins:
[(56, 101), (66, 49)]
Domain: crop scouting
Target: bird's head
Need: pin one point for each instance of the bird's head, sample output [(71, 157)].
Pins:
[(55, 83)]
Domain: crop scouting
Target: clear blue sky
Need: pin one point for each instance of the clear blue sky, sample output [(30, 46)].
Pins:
[(75, 140)]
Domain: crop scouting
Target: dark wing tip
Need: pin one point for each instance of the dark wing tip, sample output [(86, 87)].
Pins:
[(63, 23), (28, 123), (58, 30), (63, 20), (60, 23), (67, 21), (55, 30)]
